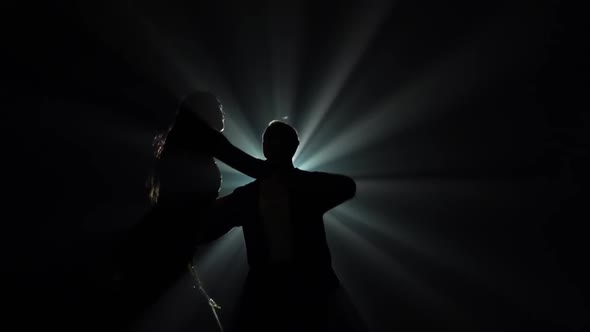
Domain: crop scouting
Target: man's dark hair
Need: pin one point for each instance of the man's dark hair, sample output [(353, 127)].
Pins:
[(279, 141)]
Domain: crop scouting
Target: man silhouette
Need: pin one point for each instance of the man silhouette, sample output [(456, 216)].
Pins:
[(291, 280)]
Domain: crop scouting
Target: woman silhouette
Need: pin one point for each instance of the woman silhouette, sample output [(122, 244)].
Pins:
[(183, 188)]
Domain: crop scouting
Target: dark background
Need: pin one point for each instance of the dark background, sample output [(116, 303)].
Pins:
[(101, 95)]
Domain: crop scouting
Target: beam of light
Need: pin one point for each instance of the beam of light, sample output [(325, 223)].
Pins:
[(373, 194), (216, 261), (195, 69), (383, 225), (177, 307), (496, 277), (443, 84), (176, 72), (350, 140), (145, 45), (358, 35), (227, 244), (285, 45), (231, 181), (380, 222), (241, 134), (224, 259), (241, 137), (181, 65), (388, 267)]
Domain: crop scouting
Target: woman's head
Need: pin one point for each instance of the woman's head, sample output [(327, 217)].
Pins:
[(196, 105), (206, 106)]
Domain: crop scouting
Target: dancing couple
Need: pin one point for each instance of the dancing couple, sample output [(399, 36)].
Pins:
[(291, 284)]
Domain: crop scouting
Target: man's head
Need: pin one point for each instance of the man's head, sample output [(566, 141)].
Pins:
[(279, 142)]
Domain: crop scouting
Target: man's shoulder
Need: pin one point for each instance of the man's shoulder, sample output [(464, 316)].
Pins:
[(307, 179), (249, 187), (326, 179), (303, 173), (309, 175)]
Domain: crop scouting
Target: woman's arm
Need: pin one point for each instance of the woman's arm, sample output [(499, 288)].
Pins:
[(231, 155), (221, 148)]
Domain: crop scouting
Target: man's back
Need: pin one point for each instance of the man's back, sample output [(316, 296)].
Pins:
[(282, 219)]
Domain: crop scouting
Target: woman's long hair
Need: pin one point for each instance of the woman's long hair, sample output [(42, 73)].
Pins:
[(208, 109), (201, 104), (153, 181)]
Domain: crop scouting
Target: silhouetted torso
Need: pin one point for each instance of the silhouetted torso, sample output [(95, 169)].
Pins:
[(156, 252), (282, 220), (189, 184)]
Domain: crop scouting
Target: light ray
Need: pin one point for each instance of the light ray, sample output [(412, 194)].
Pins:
[(240, 134), (359, 33), (285, 28), (438, 254), (176, 308), (225, 246), (426, 98), (231, 181), (389, 268)]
